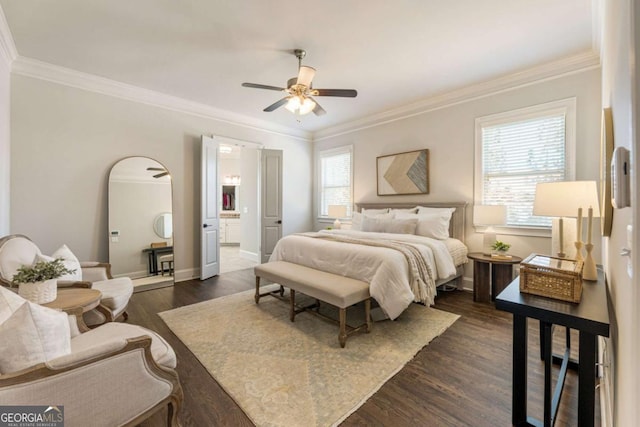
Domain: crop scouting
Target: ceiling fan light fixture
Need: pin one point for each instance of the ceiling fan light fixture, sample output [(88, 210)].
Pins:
[(305, 75), (300, 104)]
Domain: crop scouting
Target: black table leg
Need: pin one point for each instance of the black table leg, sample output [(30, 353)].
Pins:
[(586, 379), (548, 362), (519, 398)]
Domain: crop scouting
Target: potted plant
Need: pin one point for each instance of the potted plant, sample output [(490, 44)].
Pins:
[(500, 250), (39, 282)]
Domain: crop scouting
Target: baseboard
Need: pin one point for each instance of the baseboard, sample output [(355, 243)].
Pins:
[(250, 256), (133, 275), (467, 284), (186, 274), (605, 374)]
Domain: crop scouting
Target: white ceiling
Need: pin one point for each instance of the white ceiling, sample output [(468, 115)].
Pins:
[(392, 52)]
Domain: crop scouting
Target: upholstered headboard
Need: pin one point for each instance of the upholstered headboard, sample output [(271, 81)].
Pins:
[(456, 225)]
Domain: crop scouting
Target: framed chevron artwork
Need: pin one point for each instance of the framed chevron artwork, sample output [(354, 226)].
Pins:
[(403, 173)]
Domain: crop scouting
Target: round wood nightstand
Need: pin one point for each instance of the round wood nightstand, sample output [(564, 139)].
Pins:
[(491, 275)]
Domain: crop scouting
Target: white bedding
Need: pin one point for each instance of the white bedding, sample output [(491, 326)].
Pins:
[(386, 270)]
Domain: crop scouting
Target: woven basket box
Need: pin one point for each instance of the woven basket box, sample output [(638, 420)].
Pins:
[(551, 277)]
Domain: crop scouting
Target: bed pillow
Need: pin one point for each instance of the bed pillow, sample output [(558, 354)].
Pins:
[(356, 219), (70, 261), (402, 226), (375, 211), (36, 333), (403, 211), (383, 224), (374, 224), (434, 225), (423, 210)]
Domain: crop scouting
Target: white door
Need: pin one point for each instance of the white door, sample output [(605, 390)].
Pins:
[(271, 201), (209, 221)]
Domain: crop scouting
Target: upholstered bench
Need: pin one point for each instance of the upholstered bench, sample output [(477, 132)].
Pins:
[(339, 291)]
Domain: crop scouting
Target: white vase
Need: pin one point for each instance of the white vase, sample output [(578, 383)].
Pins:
[(39, 292)]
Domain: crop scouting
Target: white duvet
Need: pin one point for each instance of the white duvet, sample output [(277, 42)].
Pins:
[(386, 270)]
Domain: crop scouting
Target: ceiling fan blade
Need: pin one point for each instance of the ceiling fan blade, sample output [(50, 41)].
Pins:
[(318, 110), (259, 86), (156, 169), (160, 175), (346, 93), (305, 75), (277, 104)]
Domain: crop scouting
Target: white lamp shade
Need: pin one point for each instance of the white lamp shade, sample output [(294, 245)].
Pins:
[(489, 215), (564, 198), (337, 211)]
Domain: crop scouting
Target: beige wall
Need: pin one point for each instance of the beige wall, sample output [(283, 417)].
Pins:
[(65, 140), (448, 133), (5, 145), (619, 80)]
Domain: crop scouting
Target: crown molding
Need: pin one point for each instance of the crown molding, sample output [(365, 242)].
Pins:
[(8, 50), (89, 82), (552, 70)]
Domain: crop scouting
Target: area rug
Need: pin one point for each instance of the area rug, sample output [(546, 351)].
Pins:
[(295, 374)]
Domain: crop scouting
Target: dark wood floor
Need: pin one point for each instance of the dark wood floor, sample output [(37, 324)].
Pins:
[(462, 378)]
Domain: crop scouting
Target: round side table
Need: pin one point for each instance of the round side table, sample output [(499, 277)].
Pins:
[(68, 298), (491, 275)]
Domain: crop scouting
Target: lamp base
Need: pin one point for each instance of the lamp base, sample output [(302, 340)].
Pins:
[(487, 241), (589, 271), (337, 224), (578, 256)]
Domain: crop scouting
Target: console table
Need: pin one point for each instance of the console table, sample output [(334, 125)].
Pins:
[(590, 317), (153, 257)]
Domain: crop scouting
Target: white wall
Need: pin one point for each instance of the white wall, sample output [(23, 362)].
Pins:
[(5, 145), (448, 133), (65, 140), (619, 81)]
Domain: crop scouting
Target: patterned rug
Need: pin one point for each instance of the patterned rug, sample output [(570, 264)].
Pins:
[(295, 374)]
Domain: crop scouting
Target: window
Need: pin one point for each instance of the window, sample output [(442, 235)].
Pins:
[(335, 179), (516, 150)]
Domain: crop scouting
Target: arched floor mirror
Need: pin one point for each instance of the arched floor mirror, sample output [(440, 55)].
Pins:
[(141, 223)]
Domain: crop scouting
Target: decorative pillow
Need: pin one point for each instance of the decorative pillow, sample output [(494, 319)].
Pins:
[(9, 302), (70, 261), (403, 211), (402, 226), (14, 254), (369, 212), (434, 225), (374, 224), (422, 210), (36, 333), (356, 221)]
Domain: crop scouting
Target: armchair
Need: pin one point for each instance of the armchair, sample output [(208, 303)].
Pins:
[(17, 250), (116, 374)]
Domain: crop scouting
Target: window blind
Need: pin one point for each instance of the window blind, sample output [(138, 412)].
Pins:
[(335, 180), (515, 157)]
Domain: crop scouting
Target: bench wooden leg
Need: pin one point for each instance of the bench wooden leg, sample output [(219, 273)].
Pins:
[(367, 313), (257, 297), (343, 327), (292, 299)]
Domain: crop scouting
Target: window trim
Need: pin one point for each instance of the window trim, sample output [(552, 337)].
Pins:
[(325, 153), (565, 106)]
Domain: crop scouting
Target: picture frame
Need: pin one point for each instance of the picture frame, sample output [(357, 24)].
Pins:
[(606, 153), (403, 173)]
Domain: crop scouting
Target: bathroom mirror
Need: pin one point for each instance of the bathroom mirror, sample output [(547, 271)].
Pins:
[(163, 225), (141, 223)]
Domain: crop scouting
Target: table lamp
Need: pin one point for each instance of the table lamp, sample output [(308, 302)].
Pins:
[(337, 212), (570, 199), (489, 215)]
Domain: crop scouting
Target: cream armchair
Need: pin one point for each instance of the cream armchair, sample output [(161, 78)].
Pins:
[(116, 374), (17, 250)]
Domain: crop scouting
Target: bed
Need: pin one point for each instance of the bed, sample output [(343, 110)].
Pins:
[(400, 268)]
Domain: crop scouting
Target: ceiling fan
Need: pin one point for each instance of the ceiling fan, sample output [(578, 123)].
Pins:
[(163, 172), (300, 93)]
